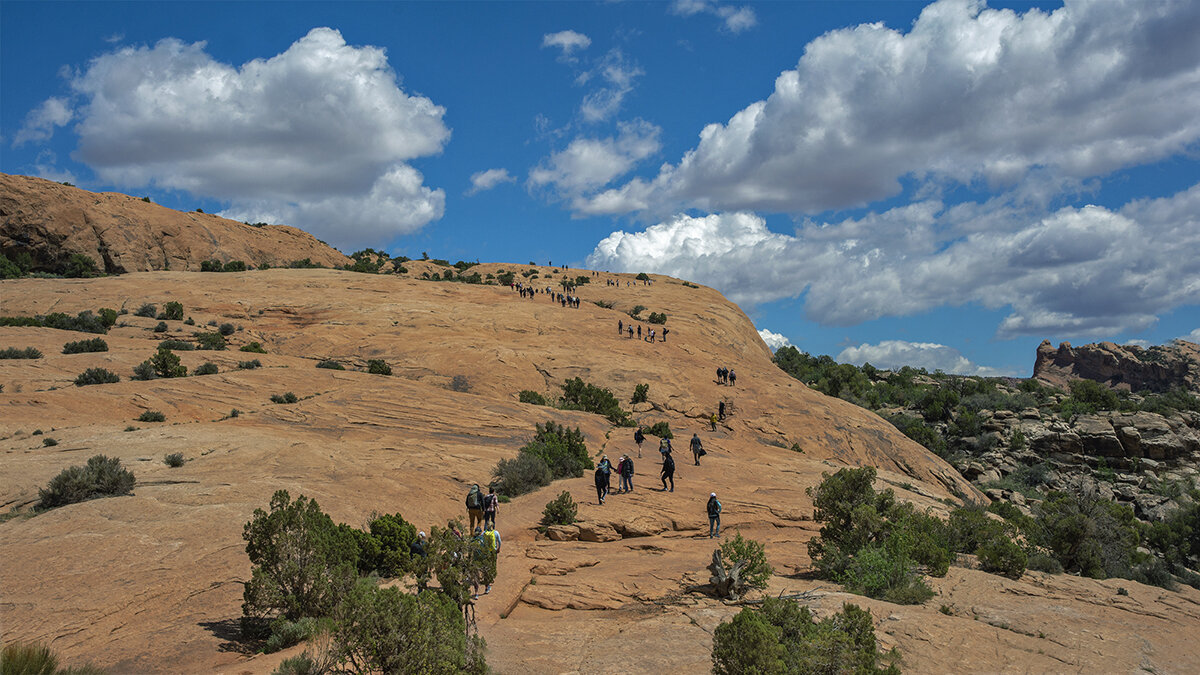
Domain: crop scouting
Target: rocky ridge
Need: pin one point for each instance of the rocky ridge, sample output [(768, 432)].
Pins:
[(1158, 369), (50, 222)]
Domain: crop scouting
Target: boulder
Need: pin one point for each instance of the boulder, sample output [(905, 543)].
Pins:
[(1098, 437), (563, 532), (597, 532), (643, 526)]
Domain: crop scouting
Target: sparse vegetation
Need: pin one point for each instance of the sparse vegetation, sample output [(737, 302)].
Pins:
[(460, 383), (210, 340), (161, 327), (554, 452), (249, 365), (172, 311), (637, 309), (662, 429), (532, 397), (165, 363), (560, 511), (35, 658), (147, 310), (96, 376), (84, 322), (580, 395), (206, 368), (177, 345), (751, 558), (48, 442), (26, 353), (226, 329), (253, 347), (289, 397), (174, 460), (657, 318), (378, 367), (639, 393), (80, 266), (152, 416), (330, 365), (101, 477), (84, 346)]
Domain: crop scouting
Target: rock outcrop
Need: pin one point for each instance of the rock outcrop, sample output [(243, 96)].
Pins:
[(50, 222), (1157, 369)]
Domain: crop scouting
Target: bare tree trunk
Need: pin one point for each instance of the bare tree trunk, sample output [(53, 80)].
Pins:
[(727, 583)]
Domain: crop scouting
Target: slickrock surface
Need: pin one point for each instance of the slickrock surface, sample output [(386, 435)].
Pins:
[(152, 582), (120, 233)]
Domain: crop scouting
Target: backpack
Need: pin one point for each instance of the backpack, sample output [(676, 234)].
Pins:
[(627, 470), (714, 507), (473, 501), (489, 502)]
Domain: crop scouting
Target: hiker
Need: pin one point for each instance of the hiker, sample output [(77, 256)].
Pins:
[(668, 471), (417, 547), (652, 335), (721, 410), (697, 450), (665, 331), (664, 446), (475, 506), (620, 326), (487, 555), (601, 484), (638, 437), (639, 331), (714, 516), (713, 420), (630, 329), (627, 475), (732, 378), (492, 539), (620, 474), (719, 372), (490, 501)]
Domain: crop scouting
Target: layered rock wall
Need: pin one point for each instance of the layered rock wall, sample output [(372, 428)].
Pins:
[(1130, 367)]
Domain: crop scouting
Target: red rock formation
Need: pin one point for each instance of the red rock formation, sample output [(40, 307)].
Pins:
[(1157, 369)]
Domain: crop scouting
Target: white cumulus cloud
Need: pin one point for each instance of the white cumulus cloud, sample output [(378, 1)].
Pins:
[(774, 340), (318, 137), (589, 163), (894, 354), (1087, 271), (40, 122), (568, 41), (1193, 336), (968, 95), (486, 180)]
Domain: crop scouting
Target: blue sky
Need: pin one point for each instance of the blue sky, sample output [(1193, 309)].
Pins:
[(939, 184)]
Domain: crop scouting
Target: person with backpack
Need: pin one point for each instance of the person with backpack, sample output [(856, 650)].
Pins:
[(697, 449), (485, 555), (732, 378), (626, 472), (638, 437), (601, 479), (721, 410), (491, 540), (714, 516), (475, 506), (490, 502), (713, 420), (668, 471)]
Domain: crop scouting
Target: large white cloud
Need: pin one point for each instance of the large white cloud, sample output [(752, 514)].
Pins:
[(588, 163), (968, 95), (774, 340), (1086, 271), (319, 136), (893, 354)]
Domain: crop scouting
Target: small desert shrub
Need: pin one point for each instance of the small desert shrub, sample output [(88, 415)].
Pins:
[(152, 416), (378, 367), (166, 364), (48, 442), (580, 395), (755, 571), (85, 346), (26, 353), (177, 345), (206, 368), (782, 637), (637, 309), (526, 473), (460, 383), (189, 321), (1002, 556), (161, 327), (878, 572), (101, 477), (642, 276), (639, 393), (289, 397), (603, 304), (249, 365), (172, 311), (1040, 562), (213, 341), (96, 376), (660, 429), (286, 633), (528, 396), (561, 448), (144, 371), (226, 329), (330, 365), (656, 317), (384, 547), (253, 347), (174, 460), (560, 511), (35, 658), (147, 310)]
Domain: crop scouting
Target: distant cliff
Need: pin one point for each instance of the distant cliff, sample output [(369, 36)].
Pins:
[(51, 222), (1157, 369)]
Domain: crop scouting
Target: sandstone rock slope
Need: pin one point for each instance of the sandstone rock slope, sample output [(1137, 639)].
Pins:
[(51, 221)]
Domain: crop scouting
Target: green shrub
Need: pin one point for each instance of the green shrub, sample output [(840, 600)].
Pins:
[(144, 371), (639, 393), (226, 329), (234, 266), (101, 477), (166, 364), (526, 473), (1088, 535), (782, 638), (383, 547), (302, 564), (206, 368), (579, 395), (80, 266), (174, 460), (384, 630), (642, 276), (84, 322), (563, 449), (48, 442), (1041, 562), (885, 573), (460, 383), (286, 633), (533, 397), (560, 511), (152, 416), (107, 317), (1002, 556), (26, 353), (147, 310), (657, 318), (85, 346), (289, 397), (172, 311), (35, 658), (96, 376), (189, 321), (330, 365), (177, 345), (249, 365), (253, 347), (210, 340), (210, 266), (161, 327), (637, 309), (11, 270), (755, 571), (662, 429), (378, 367)]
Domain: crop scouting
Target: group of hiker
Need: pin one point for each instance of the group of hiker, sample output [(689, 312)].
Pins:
[(603, 476), (726, 376), (651, 333)]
